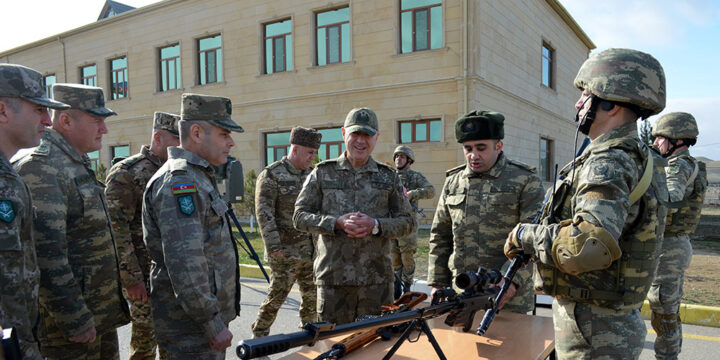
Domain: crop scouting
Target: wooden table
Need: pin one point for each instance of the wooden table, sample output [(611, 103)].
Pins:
[(511, 336)]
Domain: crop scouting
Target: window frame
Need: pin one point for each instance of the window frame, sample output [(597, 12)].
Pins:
[(414, 123), (275, 37), (163, 64), (48, 88), (550, 65), (93, 77), (549, 158), (200, 53), (429, 25), (94, 161), (116, 146), (114, 93), (338, 25), (326, 144)]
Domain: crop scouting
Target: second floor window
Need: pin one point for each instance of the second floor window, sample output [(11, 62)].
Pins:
[(88, 75), (118, 78), (333, 36), (547, 65), (416, 131), (210, 59), (278, 46), (170, 69), (420, 25), (48, 81)]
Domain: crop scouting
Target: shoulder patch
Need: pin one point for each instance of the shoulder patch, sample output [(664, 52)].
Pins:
[(187, 206), (7, 211), (184, 188), (522, 165), (455, 170)]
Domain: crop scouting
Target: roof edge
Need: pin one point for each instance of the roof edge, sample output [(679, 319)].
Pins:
[(568, 19)]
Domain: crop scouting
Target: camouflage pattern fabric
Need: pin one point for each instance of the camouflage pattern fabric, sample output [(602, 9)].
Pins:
[(403, 249), (126, 183), (334, 301), (194, 288), (19, 272), (278, 186), (473, 217), (105, 347), (334, 188), (607, 171), (686, 199), (80, 281)]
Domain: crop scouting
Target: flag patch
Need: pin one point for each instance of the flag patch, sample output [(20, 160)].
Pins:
[(183, 188)]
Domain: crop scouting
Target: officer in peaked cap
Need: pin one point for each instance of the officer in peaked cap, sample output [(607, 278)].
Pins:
[(194, 273)]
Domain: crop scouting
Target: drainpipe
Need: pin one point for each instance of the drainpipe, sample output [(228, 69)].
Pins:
[(466, 58), (65, 74)]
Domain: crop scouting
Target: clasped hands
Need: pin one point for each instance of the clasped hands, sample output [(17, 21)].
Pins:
[(355, 225)]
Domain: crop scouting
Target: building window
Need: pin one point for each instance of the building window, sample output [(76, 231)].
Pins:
[(170, 69), (278, 46), (48, 81), (88, 75), (418, 131), (277, 145), (210, 59), (546, 159), (118, 78), (94, 159), (420, 25), (333, 36), (120, 151), (548, 55)]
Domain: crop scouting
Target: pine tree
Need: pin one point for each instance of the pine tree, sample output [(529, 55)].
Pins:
[(646, 133)]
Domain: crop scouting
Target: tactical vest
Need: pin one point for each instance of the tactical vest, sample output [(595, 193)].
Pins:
[(686, 219), (626, 282)]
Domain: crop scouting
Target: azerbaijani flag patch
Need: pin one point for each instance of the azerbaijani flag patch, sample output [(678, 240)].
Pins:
[(183, 188)]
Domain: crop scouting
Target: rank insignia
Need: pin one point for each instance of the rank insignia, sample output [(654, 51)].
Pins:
[(187, 206), (183, 188), (7, 212)]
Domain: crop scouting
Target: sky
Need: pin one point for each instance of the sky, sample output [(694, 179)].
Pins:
[(683, 35)]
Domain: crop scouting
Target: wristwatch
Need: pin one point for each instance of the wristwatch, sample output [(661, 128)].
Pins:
[(376, 228)]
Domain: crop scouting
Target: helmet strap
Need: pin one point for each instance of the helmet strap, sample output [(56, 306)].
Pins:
[(673, 146), (407, 163), (586, 122)]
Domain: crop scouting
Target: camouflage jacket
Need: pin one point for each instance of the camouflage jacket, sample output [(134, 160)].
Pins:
[(686, 193), (125, 185), (194, 284), (19, 272), (475, 213), (275, 193), (417, 186), (333, 189), (80, 281)]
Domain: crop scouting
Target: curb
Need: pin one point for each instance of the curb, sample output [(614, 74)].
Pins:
[(689, 313)]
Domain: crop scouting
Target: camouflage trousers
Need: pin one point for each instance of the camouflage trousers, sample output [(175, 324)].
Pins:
[(105, 347), (584, 331), (403, 257), (142, 338), (666, 293), (343, 304), (285, 271)]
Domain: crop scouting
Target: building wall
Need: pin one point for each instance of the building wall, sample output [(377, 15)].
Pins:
[(500, 72)]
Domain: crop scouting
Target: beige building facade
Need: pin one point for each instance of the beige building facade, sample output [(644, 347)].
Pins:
[(419, 64)]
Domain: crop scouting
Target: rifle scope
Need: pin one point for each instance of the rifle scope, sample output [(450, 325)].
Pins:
[(478, 279)]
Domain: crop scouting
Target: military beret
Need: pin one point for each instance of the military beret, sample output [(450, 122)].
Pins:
[(89, 99), (305, 137), (166, 121), (479, 125), (25, 83), (213, 109)]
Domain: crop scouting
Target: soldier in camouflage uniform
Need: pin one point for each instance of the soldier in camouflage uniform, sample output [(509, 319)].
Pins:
[(356, 205), (596, 244), (23, 118), (403, 249), (194, 277), (126, 183), (81, 302), (480, 203), (686, 183), (288, 251)]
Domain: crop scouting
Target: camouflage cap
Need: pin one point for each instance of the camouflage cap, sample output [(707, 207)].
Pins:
[(361, 119), (166, 121), (402, 149), (213, 109), (89, 99), (305, 137), (480, 125), (625, 76), (25, 83), (676, 125)]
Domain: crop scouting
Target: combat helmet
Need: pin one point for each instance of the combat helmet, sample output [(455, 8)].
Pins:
[(629, 77), (402, 149), (676, 125)]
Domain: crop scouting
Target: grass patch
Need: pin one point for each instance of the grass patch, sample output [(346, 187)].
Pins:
[(257, 244)]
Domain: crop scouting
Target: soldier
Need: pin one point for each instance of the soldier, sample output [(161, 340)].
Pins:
[(686, 182), (356, 205), (81, 301), (481, 201), (23, 118), (288, 251), (126, 183), (598, 259), (417, 187), (194, 279)]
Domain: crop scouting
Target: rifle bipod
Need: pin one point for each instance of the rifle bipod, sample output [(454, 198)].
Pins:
[(422, 326)]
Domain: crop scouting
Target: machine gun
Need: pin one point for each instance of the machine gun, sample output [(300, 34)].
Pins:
[(459, 310)]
